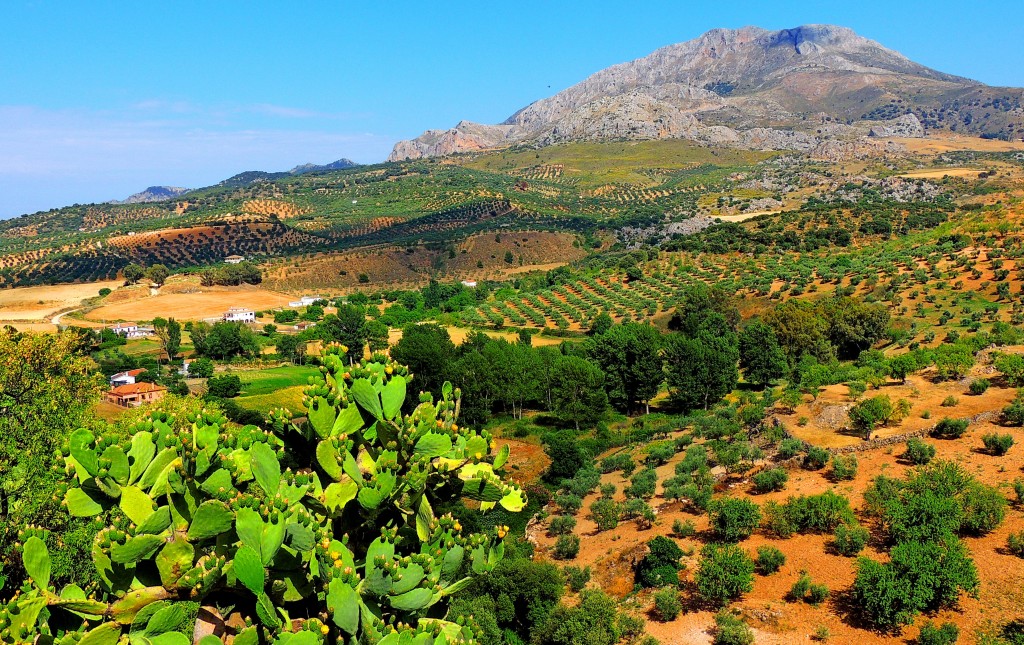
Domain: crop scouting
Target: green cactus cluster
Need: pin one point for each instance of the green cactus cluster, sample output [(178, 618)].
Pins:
[(315, 531)]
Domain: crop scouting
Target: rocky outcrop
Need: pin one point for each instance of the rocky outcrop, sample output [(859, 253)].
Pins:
[(153, 194), (908, 126), (749, 87)]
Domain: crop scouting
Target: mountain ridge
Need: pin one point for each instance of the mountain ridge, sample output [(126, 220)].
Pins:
[(718, 88)]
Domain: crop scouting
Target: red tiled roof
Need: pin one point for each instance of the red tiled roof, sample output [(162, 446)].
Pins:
[(136, 388)]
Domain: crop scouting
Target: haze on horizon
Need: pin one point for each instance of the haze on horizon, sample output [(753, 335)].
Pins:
[(101, 102)]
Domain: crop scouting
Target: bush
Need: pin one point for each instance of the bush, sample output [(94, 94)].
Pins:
[(608, 490), (810, 513), (616, 462), (582, 482), (997, 444), (949, 402), (984, 509), (666, 604), (567, 547), (224, 387), (683, 529), (951, 428), (799, 589), (661, 564), (816, 458), (576, 577), (772, 479), (605, 514), (919, 452), (919, 577), (562, 525), (1013, 414), (643, 484), (843, 467), (200, 368), (871, 413), (850, 539), (731, 630), (789, 448), (568, 503), (725, 573), (931, 634), (817, 594), (769, 560), (734, 519), (979, 386), (1015, 544)]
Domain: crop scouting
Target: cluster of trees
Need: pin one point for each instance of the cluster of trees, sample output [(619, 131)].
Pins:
[(157, 273), (232, 274)]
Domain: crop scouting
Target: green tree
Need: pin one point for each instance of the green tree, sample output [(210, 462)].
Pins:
[(578, 394), (629, 355), (761, 356), (734, 518), (376, 335), (701, 370), (566, 454), (428, 351), (601, 323), (348, 327), (224, 387), (724, 573), (133, 273), (661, 564), (47, 385), (800, 329), (169, 333), (158, 273), (200, 368), (705, 308)]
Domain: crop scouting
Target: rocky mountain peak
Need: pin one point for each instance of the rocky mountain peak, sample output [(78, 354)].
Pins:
[(733, 87)]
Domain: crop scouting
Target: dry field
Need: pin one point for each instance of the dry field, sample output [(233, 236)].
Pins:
[(938, 143), (205, 302), (38, 304), (612, 554), (939, 173)]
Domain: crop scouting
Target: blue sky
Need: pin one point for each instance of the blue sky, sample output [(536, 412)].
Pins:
[(101, 99)]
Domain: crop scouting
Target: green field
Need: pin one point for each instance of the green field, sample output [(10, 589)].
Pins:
[(263, 390)]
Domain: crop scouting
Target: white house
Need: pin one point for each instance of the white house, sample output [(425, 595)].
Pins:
[(240, 314), (129, 330), (305, 301), (469, 283), (234, 259), (125, 378)]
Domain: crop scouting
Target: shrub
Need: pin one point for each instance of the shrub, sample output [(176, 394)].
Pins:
[(562, 525), (605, 514), (816, 458), (871, 413), (799, 589), (769, 560), (683, 529), (919, 452), (104, 292), (631, 626), (951, 428), (979, 386), (919, 577), (734, 519), (224, 387), (949, 402), (817, 594), (725, 572), (200, 368), (931, 634), (814, 513), (568, 503), (777, 520), (666, 604), (850, 539), (608, 490), (1018, 489), (997, 444), (731, 630), (582, 482), (661, 564), (577, 577), (769, 480), (1015, 544), (984, 509), (615, 462), (844, 467), (567, 547), (643, 484), (789, 448)]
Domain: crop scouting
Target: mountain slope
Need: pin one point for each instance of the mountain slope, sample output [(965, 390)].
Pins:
[(153, 194), (748, 87)]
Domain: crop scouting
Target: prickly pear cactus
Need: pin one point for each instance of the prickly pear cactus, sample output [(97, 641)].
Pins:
[(330, 518)]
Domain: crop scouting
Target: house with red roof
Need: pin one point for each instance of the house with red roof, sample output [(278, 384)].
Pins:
[(132, 395)]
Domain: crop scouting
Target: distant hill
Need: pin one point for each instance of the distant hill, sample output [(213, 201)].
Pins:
[(250, 176), (153, 194), (750, 88)]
